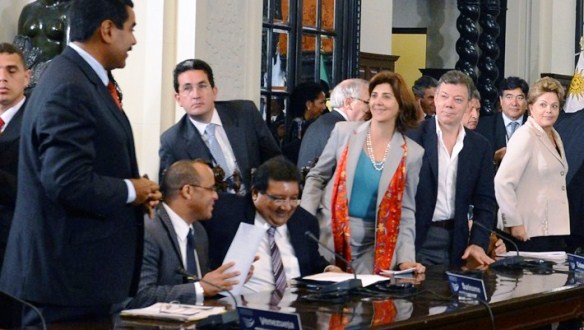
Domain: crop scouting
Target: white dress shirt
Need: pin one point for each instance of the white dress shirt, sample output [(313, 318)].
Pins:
[(447, 173), (263, 278), (181, 228), (8, 114)]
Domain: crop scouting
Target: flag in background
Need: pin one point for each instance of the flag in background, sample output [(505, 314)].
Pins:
[(575, 95)]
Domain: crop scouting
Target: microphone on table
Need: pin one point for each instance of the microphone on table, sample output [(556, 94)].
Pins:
[(514, 262), (217, 319), (339, 286)]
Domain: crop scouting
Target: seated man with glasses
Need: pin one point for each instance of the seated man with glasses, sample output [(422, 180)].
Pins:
[(176, 245), (285, 252)]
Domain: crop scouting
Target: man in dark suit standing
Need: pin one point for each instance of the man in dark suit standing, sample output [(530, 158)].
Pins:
[(14, 77), (273, 206), (499, 127), (230, 134), (456, 172), (176, 244), (350, 101), (75, 246)]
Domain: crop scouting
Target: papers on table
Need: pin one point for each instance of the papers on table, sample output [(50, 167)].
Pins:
[(339, 277), (243, 250), (555, 256), (391, 273), (173, 312)]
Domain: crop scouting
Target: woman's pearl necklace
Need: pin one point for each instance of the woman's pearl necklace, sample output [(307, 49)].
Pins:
[(378, 166)]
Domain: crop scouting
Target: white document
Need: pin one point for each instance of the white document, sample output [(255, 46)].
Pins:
[(243, 249), (173, 312), (390, 273), (556, 256), (339, 277)]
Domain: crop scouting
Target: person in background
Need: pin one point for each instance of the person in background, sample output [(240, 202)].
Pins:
[(470, 119), (530, 184), (75, 246), (364, 184), (350, 102), (424, 89), (307, 102), (176, 244), (499, 128), (229, 134), (14, 77), (272, 206), (457, 172)]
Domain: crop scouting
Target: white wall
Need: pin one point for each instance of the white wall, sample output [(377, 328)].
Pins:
[(376, 25), (9, 13)]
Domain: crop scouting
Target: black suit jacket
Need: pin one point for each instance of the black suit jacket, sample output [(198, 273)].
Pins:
[(474, 186), (494, 130), (316, 137), (9, 142), (74, 240), (248, 134), (160, 280), (230, 210)]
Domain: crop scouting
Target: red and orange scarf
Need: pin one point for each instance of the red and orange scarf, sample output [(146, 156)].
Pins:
[(388, 215)]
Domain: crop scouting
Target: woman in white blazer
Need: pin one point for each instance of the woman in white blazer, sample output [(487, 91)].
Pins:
[(364, 184), (530, 184)]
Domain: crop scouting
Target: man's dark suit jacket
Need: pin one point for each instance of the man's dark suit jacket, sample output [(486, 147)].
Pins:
[(74, 240), (570, 126), (9, 142), (474, 186), (493, 128), (248, 134), (316, 137), (230, 210), (160, 280)]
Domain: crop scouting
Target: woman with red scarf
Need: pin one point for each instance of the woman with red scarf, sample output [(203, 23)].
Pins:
[(364, 184)]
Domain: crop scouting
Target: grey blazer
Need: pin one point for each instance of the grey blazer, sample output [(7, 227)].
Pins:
[(317, 194), (160, 280)]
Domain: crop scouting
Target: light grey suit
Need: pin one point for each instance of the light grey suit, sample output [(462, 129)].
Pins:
[(317, 194), (160, 279)]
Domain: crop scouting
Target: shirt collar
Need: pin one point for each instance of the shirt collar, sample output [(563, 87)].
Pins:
[(261, 222), (93, 63), (461, 131), (8, 114), (180, 226), (215, 119), (507, 120)]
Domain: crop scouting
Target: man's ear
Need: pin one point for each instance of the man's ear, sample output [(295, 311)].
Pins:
[(106, 30)]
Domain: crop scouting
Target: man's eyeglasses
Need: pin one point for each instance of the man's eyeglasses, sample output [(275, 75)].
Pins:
[(279, 201), (209, 189), (364, 101)]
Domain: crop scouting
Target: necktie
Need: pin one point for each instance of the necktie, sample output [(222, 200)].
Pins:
[(216, 148), (1, 124), (111, 87), (191, 265), (511, 128), (277, 266)]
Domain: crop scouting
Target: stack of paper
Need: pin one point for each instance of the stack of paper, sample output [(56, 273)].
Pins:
[(173, 312)]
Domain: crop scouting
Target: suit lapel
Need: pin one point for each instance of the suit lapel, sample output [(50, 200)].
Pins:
[(12, 130), (202, 247), (167, 225), (355, 142), (500, 132), (431, 147), (235, 135), (193, 142)]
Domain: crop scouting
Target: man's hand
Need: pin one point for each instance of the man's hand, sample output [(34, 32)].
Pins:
[(519, 233), (499, 154), (333, 269), (251, 268), (477, 254), (221, 278), (147, 194), (419, 268)]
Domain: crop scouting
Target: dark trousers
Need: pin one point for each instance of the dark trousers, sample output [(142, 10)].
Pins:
[(436, 248), (62, 314)]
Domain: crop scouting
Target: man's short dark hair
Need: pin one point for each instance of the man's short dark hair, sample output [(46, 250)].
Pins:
[(456, 77), (180, 173), (510, 83), (276, 169), (85, 16), (192, 64), (8, 48), (423, 83)]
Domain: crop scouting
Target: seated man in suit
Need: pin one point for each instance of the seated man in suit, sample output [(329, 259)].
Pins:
[(272, 205), (350, 101), (499, 127), (230, 134), (456, 172), (424, 89), (175, 243)]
